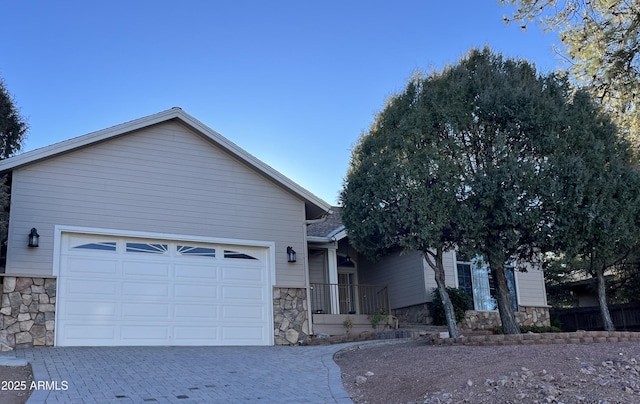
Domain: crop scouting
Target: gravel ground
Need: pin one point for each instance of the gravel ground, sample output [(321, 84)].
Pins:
[(12, 389), (414, 372)]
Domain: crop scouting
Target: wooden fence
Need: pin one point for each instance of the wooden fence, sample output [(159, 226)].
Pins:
[(626, 317)]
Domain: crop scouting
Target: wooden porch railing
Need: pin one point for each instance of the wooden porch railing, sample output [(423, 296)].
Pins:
[(331, 298)]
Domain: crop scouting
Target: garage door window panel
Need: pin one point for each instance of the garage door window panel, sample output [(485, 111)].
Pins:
[(98, 246), (147, 248), (192, 251), (237, 255)]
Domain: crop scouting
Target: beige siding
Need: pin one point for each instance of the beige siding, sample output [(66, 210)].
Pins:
[(402, 274), (318, 266), (531, 289), (162, 179)]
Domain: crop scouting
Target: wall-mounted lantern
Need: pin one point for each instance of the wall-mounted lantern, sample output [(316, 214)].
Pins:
[(34, 238), (291, 254)]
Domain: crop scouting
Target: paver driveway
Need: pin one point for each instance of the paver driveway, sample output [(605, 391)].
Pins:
[(186, 374)]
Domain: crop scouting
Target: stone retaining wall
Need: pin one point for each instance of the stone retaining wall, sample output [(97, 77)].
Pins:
[(578, 337), (476, 320), (27, 312), (534, 316), (290, 315)]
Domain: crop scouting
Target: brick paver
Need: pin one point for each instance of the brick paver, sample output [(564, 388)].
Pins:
[(186, 374)]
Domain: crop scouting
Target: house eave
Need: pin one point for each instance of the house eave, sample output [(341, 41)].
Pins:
[(315, 206), (319, 240)]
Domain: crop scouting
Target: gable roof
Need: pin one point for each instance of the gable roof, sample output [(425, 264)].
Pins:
[(315, 207)]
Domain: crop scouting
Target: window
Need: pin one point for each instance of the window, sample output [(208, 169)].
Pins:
[(509, 271), (483, 288), (464, 279), (475, 279), (237, 255), (100, 245), (196, 251), (147, 248), (345, 261)]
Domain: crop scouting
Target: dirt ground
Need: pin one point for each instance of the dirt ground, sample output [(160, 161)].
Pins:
[(12, 388), (414, 372)]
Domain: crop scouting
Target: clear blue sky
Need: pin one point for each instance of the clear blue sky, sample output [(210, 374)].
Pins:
[(292, 82)]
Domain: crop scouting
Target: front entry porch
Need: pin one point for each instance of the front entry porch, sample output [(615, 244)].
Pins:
[(348, 308), (346, 297), (339, 304)]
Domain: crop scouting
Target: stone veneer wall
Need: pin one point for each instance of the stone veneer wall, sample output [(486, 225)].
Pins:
[(535, 316), (27, 311), (488, 320), (290, 314), (476, 320)]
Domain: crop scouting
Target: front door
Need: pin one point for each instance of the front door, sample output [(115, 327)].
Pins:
[(347, 292)]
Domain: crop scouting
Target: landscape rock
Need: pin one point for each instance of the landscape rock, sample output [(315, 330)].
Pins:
[(556, 373)]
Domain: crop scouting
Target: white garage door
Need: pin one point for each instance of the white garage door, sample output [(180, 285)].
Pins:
[(127, 291)]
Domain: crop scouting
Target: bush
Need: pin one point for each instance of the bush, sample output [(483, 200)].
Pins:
[(461, 303), (378, 317)]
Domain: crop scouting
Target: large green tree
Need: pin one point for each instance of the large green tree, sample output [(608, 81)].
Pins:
[(595, 194), (12, 133), (458, 160), (602, 43), (505, 122), (400, 191)]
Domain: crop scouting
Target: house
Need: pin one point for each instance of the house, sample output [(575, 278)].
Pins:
[(344, 284), (158, 231)]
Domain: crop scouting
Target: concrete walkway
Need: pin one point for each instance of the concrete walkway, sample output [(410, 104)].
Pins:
[(185, 374)]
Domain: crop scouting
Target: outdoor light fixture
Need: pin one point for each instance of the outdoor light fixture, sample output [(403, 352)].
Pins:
[(34, 237), (291, 254)]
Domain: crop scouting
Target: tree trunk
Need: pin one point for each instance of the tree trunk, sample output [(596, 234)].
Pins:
[(505, 305), (438, 269), (602, 300)]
